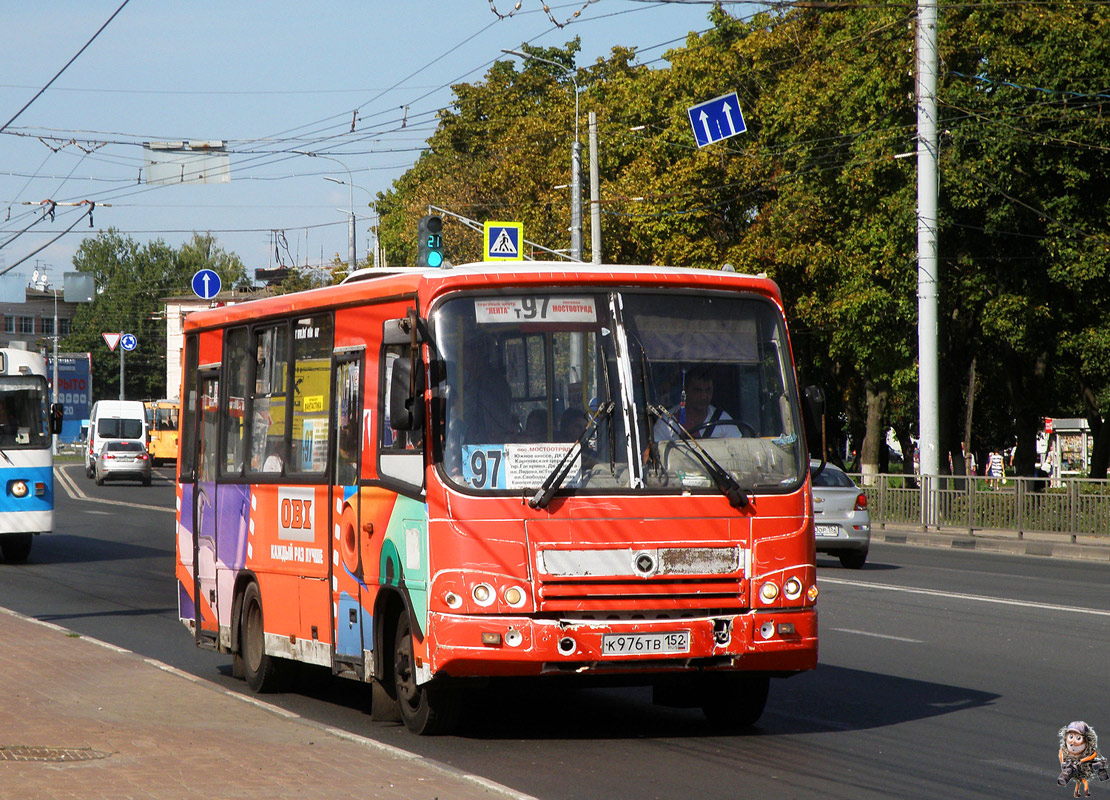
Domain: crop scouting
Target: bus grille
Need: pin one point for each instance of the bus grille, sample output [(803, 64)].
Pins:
[(648, 580), (640, 595)]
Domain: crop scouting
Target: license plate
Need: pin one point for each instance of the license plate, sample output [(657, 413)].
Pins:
[(826, 530), (632, 644)]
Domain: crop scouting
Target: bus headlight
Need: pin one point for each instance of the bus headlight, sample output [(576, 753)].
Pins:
[(19, 488), (792, 589), (483, 594), (768, 592), (514, 596)]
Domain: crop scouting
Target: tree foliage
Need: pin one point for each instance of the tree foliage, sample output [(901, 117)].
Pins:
[(814, 196)]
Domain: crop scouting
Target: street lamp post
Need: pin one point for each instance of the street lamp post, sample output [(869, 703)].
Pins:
[(351, 244), (351, 256), (575, 161), (54, 438)]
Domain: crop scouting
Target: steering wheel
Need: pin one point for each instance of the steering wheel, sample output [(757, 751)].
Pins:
[(744, 428)]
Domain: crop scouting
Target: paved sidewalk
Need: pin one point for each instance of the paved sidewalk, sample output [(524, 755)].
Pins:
[(83, 720), (1054, 545)]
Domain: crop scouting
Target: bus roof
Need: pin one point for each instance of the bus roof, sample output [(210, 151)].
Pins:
[(368, 285)]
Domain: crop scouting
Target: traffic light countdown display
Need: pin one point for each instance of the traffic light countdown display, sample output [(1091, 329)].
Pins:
[(430, 242)]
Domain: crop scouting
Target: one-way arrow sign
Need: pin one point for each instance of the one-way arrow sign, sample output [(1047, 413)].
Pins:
[(716, 119)]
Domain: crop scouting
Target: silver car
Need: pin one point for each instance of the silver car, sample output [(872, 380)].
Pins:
[(122, 459), (842, 524)]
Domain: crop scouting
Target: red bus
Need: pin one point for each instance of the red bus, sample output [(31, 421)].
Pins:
[(427, 478)]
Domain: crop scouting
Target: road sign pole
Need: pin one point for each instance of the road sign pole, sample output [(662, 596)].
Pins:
[(121, 373)]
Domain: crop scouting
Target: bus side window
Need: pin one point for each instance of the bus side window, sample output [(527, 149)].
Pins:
[(268, 401), (392, 438), (312, 346), (400, 452), (238, 364)]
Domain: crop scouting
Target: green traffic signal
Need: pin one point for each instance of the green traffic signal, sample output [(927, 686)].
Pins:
[(430, 241)]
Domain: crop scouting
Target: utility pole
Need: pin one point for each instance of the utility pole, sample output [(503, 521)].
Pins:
[(575, 161), (595, 195), (927, 260), (576, 191)]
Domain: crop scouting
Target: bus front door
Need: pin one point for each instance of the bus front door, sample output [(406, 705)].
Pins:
[(204, 508), (351, 623)]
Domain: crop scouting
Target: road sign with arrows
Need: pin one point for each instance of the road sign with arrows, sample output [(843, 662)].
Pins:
[(717, 119)]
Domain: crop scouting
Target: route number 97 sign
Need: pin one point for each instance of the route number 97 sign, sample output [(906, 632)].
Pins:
[(538, 308), (514, 466)]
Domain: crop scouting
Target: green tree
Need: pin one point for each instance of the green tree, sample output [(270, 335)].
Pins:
[(1026, 202), (132, 280), (814, 196)]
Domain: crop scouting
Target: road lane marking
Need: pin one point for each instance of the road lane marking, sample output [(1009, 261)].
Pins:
[(880, 635), (979, 598), (76, 493)]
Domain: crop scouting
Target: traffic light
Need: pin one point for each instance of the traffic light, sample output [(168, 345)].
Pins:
[(430, 242)]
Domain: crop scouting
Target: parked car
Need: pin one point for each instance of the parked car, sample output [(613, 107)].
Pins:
[(122, 458), (842, 524)]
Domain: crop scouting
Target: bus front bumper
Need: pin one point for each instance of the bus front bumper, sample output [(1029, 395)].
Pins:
[(782, 641)]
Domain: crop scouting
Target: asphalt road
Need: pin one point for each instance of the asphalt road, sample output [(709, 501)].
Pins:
[(942, 674)]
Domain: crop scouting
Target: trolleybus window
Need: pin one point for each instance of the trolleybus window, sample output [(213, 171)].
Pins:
[(23, 412)]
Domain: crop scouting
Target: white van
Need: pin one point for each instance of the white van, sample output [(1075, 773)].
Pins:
[(114, 419)]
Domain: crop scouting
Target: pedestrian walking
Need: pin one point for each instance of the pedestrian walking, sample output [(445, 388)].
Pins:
[(996, 469)]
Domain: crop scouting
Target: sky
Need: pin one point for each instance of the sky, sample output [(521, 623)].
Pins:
[(276, 81)]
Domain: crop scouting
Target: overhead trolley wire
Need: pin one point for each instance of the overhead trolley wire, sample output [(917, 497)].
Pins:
[(63, 69)]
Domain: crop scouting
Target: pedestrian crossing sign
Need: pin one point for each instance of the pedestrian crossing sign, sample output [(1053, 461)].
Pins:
[(504, 241)]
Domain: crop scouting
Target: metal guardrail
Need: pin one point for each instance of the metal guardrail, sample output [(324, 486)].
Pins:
[(1072, 506)]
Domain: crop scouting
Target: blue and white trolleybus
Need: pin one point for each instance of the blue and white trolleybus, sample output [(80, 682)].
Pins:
[(27, 422)]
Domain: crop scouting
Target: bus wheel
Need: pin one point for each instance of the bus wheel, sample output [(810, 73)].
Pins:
[(264, 673), (16, 547), (734, 701), (425, 709)]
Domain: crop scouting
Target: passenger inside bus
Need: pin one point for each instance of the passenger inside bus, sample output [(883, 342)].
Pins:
[(535, 429), (696, 413)]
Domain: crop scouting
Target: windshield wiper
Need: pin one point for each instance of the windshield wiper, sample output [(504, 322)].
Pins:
[(722, 478), (562, 469)]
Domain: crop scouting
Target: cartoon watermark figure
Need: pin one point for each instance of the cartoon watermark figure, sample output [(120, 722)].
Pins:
[(1079, 758)]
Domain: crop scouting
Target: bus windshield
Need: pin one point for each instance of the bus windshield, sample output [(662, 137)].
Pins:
[(663, 391), (23, 406)]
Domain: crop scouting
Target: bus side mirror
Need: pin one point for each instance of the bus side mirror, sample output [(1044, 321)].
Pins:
[(815, 422), (57, 413), (406, 396)]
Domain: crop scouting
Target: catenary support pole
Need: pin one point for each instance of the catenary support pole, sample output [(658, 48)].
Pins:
[(595, 194), (927, 260)]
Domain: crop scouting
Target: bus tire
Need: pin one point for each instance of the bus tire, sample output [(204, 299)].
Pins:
[(16, 547), (264, 673), (426, 709), (734, 702)]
